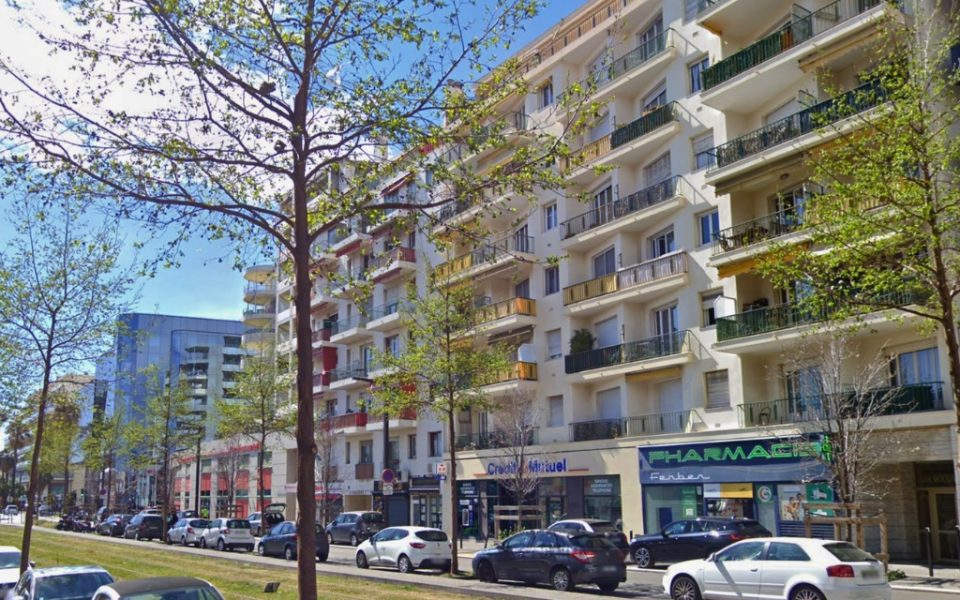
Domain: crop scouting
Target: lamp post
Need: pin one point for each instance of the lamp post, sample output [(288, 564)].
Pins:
[(196, 482)]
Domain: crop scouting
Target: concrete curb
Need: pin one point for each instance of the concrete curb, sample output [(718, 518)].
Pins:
[(922, 588)]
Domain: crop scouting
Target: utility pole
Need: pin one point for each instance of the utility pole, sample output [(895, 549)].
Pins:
[(386, 465), (196, 481)]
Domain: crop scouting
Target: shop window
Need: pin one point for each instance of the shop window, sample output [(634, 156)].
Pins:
[(718, 389)]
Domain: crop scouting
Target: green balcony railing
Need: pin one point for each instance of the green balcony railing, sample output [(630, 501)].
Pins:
[(621, 207), (759, 230), (655, 347), (654, 119), (355, 370), (894, 400), (810, 119), (611, 429), (789, 36), (620, 66)]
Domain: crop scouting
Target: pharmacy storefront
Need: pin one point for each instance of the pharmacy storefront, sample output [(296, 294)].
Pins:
[(764, 479)]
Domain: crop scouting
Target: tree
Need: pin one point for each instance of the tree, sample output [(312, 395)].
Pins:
[(241, 110), (101, 446), (63, 436), (18, 438), (518, 418), (327, 475), (62, 291), (890, 205), (441, 371), (261, 407)]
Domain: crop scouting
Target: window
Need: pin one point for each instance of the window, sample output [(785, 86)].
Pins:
[(391, 345), (546, 94), (696, 72), (662, 243), (703, 155), (709, 227), (656, 98), (436, 443), (708, 303), (718, 389), (554, 344), (552, 280), (658, 170), (921, 366), (412, 446), (783, 551), (521, 540), (232, 341), (555, 405), (666, 320), (678, 528), (522, 289), (605, 263), (745, 551), (550, 216), (366, 451)]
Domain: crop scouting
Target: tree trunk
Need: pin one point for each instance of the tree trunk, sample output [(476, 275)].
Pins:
[(32, 490), (263, 444), (454, 492), (66, 481)]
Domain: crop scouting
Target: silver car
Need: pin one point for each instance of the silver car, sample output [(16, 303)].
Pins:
[(227, 534), (187, 532), (60, 583), (159, 587)]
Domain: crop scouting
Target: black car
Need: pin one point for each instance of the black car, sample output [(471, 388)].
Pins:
[(144, 527), (559, 559), (692, 539), (114, 525), (354, 527), (281, 540), (604, 528)]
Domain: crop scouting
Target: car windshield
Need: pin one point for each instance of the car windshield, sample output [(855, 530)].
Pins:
[(9, 560), (196, 593), (847, 552), (604, 527), (591, 542), (432, 536), (71, 586), (238, 524), (372, 518)]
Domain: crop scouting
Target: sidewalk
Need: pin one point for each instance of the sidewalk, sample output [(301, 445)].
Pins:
[(945, 579)]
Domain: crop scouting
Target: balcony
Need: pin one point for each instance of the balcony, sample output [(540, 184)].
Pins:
[(355, 421), (392, 263), (668, 350), (363, 471), (320, 380), (756, 231), (633, 71), (347, 280), (497, 439), (321, 296), (352, 329), (487, 259), (517, 377), (259, 293), (354, 375), (737, 19), (504, 315), (612, 429), (255, 338), (629, 213), (406, 418), (386, 317), (743, 82), (259, 316), (350, 237), (898, 400), (634, 283)]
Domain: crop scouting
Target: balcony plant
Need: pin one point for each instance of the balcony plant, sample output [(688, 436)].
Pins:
[(582, 340)]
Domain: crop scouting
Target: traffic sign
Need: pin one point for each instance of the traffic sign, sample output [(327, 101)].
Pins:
[(387, 489), (387, 476), (441, 468)]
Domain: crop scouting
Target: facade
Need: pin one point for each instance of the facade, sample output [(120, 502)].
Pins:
[(689, 397)]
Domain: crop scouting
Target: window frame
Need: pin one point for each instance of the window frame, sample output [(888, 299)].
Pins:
[(551, 216), (559, 347), (706, 389), (714, 226), (700, 64), (549, 290)]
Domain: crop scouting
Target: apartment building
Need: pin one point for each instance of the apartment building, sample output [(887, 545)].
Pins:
[(668, 373)]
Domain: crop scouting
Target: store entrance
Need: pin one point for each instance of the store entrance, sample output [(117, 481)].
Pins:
[(937, 509)]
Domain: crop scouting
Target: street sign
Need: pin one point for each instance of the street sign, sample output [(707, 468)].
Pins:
[(387, 476), (387, 489), (441, 468)]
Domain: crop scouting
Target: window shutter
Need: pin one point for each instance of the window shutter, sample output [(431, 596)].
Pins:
[(718, 390)]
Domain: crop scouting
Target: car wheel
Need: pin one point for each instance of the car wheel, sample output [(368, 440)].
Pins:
[(168, 541), (362, 560), (289, 553), (322, 557), (183, 541), (806, 592), (330, 538), (608, 587), (136, 536), (260, 549), (221, 546), (486, 572), (684, 588), (643, 557), (404, 565), (560, 580), (353, 540)]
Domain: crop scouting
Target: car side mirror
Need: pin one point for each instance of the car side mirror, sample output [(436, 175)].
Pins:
[(712, 557), (664, 534)]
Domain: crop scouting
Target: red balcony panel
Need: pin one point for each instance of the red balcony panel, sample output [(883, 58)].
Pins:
[(205, 482), (347, 420), (409, 414), (268, 478), (329, 359), (243, 480)]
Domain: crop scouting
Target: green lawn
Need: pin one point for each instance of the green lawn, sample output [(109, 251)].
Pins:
[(237, 580)]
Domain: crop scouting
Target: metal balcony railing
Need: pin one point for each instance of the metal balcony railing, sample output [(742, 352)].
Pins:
[(334, 422), (260, 288), (449, 211), (653, 119), (655, 347), (639, 274), (321, 335), (488, 252), (622, 65), (339, 326), (355, 370), (611, 429), (789, 36), (810, 119), (759, 230), (399, 254), (253, 309), (505, 308), (621, 207), (894, 400), (497, 439)]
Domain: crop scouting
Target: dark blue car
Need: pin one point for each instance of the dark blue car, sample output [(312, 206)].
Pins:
[(281, 540), (559, 559)]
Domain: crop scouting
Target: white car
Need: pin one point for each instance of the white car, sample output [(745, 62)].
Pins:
[(186, 532), (406, 548), (227, 534), (9, 568), (60, 583), (782, 568)]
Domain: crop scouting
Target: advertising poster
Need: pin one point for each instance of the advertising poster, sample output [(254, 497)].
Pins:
[(791, 499)]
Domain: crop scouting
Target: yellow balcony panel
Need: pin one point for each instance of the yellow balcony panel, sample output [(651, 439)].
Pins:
[(636, 283)]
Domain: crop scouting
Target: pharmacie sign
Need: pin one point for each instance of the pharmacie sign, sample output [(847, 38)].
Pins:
[(770, 459)]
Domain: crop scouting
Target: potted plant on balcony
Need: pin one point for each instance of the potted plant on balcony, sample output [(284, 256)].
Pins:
[(582, 340)]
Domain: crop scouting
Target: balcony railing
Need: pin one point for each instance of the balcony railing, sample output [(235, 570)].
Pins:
[(449, 211), (497, 439), (358, 419), (363, 471), (488, 252), (760, 229), (621, 207), (320, 335), (399, 254), (895, 400), (588, 153), (810, 119), (259, 288), (253, 310), (520, 371), (611, 429), (639, 274), (622, 65), (785, 316), (338, 327), (387, 309), (319, 379), (561, 39), (505, 308), (653, 119), (789, 36), (655, 347), (355, 370)]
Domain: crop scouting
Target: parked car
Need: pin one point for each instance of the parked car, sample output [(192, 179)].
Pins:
[(354, 527), (60, 583), (604, 528), (9, 568), (227, 534), (272, 515), (144, 527), (11, 509), (559, 559), (159, 588), (692, 538), (45, 510), (791, 568), (114, 525), (187, 532), (281, 540), (187, 514), (406, 548)]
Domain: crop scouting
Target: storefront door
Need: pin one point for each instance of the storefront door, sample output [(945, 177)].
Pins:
[(944, 511)]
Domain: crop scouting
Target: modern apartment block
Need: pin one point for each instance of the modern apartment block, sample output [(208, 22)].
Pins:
[(690, 395)]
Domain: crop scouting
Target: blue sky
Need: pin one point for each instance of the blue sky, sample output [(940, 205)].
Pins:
[(206, 284)]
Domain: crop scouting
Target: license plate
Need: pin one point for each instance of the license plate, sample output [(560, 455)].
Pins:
[(610, 569), (870, 573)]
